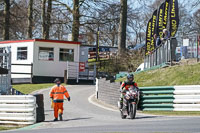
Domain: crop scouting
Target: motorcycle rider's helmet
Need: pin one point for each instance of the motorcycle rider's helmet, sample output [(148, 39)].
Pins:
[(130, 77)]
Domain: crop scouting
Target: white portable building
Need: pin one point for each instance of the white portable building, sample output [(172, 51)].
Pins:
[(38, 60)]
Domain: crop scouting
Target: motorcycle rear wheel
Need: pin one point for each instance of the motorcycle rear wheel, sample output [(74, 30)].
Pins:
[(132, 111)]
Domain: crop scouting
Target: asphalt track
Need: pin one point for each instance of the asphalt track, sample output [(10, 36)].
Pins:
[(81, 116)]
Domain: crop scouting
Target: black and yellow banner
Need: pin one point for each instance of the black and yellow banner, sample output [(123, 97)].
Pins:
[(153, 30), (160, 20), (148, 37), (174, 17), (165, 14)]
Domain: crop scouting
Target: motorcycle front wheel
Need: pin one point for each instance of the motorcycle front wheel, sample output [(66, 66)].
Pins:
[(132, 111)]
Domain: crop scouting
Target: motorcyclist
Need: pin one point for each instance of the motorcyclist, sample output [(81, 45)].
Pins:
[(126, 85)]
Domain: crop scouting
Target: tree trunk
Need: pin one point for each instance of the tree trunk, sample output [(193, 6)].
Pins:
[(113, 36), (30, 19), (122, 27), (75, 25), (136, 39), (43, 19), (48, 23), (140, 37), (6, 20)]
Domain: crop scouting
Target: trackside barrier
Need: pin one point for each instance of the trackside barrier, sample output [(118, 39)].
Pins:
[(17, 109), (171, 98), (166, 98)]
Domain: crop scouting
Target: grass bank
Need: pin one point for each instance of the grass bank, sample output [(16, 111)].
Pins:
[(8, 127), (28, 88), (170, 76)]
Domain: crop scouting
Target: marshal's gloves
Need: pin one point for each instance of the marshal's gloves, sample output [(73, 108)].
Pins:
[(68, 98)]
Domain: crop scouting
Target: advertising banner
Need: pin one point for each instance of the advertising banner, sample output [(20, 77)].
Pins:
[(148, 37), (165, 14), (153, 30), (160, 20), (174, 17)]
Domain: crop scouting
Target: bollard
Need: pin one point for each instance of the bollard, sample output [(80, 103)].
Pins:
[(40, 108)]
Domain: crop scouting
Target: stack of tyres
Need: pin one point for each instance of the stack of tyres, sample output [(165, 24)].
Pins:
[(40, 116)]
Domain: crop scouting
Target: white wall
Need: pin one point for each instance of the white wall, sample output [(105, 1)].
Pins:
[(19, 68), (52, 68)]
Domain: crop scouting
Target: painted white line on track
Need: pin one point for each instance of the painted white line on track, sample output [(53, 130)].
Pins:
[(98, 105)]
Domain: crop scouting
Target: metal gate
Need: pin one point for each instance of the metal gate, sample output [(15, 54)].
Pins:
[(5, 70), (73, 72)]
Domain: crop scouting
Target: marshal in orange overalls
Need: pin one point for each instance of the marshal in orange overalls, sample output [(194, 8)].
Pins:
[(57, 94)]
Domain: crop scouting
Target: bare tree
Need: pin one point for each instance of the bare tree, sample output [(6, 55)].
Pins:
[(75, 25), (76, 16), (197, 21), (6, 20), (48, 19), (43, 18), (30, 19), (122, 27)]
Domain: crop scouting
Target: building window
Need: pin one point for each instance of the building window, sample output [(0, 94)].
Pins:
[(66, 54), (46, 54), (22, 53)]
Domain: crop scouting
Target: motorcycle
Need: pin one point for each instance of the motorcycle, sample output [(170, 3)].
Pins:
[(130, 101)]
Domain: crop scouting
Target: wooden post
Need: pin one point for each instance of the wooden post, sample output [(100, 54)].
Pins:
[(31, 73), (65, 77)]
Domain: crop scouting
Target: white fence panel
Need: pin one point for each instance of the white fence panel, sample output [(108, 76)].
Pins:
[(187, 101), (72, 70), (187, 92), (187, 106), (186, 109), (17, 109), (187, 87), (187, 98)]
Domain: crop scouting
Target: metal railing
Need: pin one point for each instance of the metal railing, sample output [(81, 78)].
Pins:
[(173, 49), (5, 63), (165, 53), (74, 73)]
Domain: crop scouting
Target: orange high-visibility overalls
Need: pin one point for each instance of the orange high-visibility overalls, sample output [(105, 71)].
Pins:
[(57, 94)]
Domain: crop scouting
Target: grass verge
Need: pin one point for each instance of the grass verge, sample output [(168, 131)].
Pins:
[(8, 127), (173, 113), (28, 88)]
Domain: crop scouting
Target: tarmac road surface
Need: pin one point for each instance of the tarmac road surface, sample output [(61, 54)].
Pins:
[(80, 116)]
